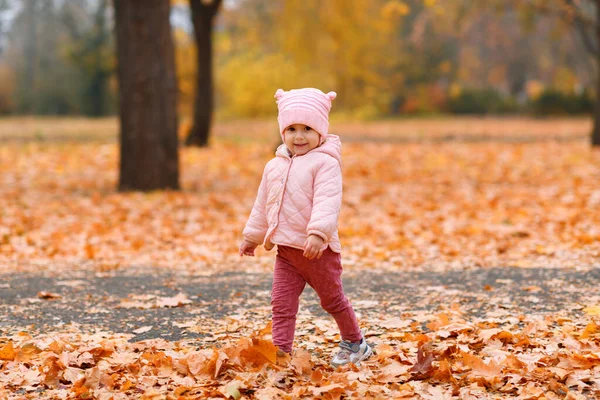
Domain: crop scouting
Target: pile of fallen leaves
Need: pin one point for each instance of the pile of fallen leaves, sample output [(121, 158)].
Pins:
[(510, 358), (444, 205), (438, 206)]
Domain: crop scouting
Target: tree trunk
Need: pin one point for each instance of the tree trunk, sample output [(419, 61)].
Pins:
[(596, 129), (147, 91), (202, 19)]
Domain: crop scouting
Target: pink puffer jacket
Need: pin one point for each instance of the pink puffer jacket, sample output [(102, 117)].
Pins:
[(299, 196)]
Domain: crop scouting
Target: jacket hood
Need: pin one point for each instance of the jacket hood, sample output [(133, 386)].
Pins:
[(332, 147)]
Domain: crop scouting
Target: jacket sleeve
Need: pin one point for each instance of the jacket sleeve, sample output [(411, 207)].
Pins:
[(257, 225), (327, 200)]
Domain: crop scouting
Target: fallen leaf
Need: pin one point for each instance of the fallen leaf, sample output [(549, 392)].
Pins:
[(48, 295), (143, 329), (300, 362), (176, 301), (593, 310), (7, 352), (423, 367)]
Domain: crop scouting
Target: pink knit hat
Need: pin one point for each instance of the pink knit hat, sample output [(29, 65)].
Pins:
[(304, 106)]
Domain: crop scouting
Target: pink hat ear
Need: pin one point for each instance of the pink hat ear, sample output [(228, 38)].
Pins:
[(332, 95), (279, 94)]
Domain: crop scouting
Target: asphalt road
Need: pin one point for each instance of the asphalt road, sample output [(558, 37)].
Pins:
[(95, 301)]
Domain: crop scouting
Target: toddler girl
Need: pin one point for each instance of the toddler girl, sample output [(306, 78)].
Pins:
[(297, 209)]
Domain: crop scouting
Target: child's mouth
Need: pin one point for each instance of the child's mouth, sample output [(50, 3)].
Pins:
[(300, 145)]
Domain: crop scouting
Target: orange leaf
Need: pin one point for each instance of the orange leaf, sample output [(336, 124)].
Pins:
[(259, 352), (89, 251), (266, 330), (316, 376), (444, 373), (589, 330), (126, 386), (27, 352), (479, 367), (8, 352), (443, 320), (220, 362), (301, 362)]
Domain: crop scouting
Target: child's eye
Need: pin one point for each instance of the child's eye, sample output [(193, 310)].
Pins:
[(291, 129), (308, 128)]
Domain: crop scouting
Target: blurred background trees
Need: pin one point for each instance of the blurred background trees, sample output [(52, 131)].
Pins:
[(58, 58), (384, 57)]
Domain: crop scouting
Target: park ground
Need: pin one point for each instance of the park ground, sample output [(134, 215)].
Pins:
[(471, 251)]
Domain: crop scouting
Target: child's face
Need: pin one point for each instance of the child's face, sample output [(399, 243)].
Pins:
[(300, 139)]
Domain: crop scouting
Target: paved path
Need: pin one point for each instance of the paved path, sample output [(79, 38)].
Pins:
[(97, 301)]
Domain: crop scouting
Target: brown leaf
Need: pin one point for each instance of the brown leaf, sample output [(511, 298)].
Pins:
[(48, 295), (423, 367)]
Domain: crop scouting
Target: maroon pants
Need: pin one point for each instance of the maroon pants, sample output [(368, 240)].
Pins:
[(292, 272)]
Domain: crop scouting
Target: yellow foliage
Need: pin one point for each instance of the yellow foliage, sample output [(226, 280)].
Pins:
[(455, 90), (247, 83), (565, 80), (394, 9), (185, 61), (534, 89), (374, 53), (276, 47)]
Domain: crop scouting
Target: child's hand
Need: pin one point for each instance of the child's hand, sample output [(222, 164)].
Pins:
[(313, 247), (247, 248)]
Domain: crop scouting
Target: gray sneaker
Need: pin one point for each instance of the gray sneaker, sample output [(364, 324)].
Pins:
[(352, 352)]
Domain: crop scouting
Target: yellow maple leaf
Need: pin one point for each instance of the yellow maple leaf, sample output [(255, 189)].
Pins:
[(593, 310)]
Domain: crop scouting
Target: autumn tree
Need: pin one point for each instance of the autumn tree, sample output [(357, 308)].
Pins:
[(583, 16), (90, 50), (30, 15), (58, 56), (203, 15), (147, 89)]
